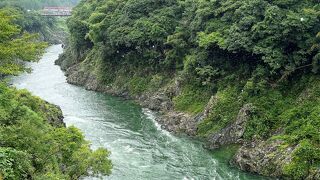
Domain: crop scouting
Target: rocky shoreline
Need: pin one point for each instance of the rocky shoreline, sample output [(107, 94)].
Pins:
[(267, 158), (53, 114)]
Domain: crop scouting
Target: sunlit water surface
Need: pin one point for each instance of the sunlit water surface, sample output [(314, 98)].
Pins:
[(140, 149)]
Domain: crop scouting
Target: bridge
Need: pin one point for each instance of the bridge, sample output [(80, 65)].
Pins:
[(56, 11)]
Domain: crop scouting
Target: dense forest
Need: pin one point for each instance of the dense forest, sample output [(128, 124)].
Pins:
[(34, 142), (37, 4), (257, 52)]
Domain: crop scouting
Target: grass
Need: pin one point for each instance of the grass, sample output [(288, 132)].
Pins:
[(192, 99)]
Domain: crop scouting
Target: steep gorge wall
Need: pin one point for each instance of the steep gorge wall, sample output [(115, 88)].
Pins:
[(242, 72), (266, 157)]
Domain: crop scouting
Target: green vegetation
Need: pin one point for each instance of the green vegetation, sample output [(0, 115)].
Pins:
[(225, 110), (266, 53), (192, 99), (15, 44), (34, 144), (48, 29)]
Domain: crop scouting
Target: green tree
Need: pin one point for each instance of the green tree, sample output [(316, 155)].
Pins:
[(32, 146), (16, 46)]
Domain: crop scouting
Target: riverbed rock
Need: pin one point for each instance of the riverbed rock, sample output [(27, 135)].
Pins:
[(76, 76), (233, 133)]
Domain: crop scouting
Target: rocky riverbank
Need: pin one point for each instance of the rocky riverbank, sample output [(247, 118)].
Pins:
[(53, 114), (267, 158), (160, 101)]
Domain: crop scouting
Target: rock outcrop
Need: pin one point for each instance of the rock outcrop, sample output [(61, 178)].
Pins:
[(178, 123), (53, 114), (264, 157), (314, 174), (233, 133)]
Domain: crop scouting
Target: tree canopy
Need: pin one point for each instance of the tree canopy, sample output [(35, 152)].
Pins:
[(16, 45), (249, 51), (31, 146), (278, 35)]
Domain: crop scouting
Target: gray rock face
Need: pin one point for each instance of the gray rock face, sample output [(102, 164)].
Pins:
[(53, 114), (234, 132), (156, 102), (212, 102), (314, 175), (76, 76), (264, 157), (178, 123)]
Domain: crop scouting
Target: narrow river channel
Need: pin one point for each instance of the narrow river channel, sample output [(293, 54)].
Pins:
[(140, 149)]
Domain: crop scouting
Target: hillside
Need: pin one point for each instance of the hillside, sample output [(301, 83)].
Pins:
[(231, 72), (34, 141)]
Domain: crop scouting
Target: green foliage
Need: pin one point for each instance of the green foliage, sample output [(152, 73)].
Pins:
[(158, 81), (279, 36), (207, 40), (15, 164), (38, 149), (34, 144), (16, 45), (265, 53), (138, 84), (128, 37), (305, 156), (191, 99), (264, 118), (225, 110)]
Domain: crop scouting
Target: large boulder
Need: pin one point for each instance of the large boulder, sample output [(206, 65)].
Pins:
[(178, 123), (264, 157)]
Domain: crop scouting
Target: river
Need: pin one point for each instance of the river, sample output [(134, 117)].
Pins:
[(140, 149)]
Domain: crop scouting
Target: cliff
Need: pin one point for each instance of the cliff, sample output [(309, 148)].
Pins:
[(270, 156), (244, 72)]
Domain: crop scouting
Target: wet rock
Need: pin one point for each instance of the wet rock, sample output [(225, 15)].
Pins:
[(76, 76)]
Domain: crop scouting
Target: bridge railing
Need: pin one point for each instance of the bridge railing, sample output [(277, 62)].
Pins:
[(56, 11)]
